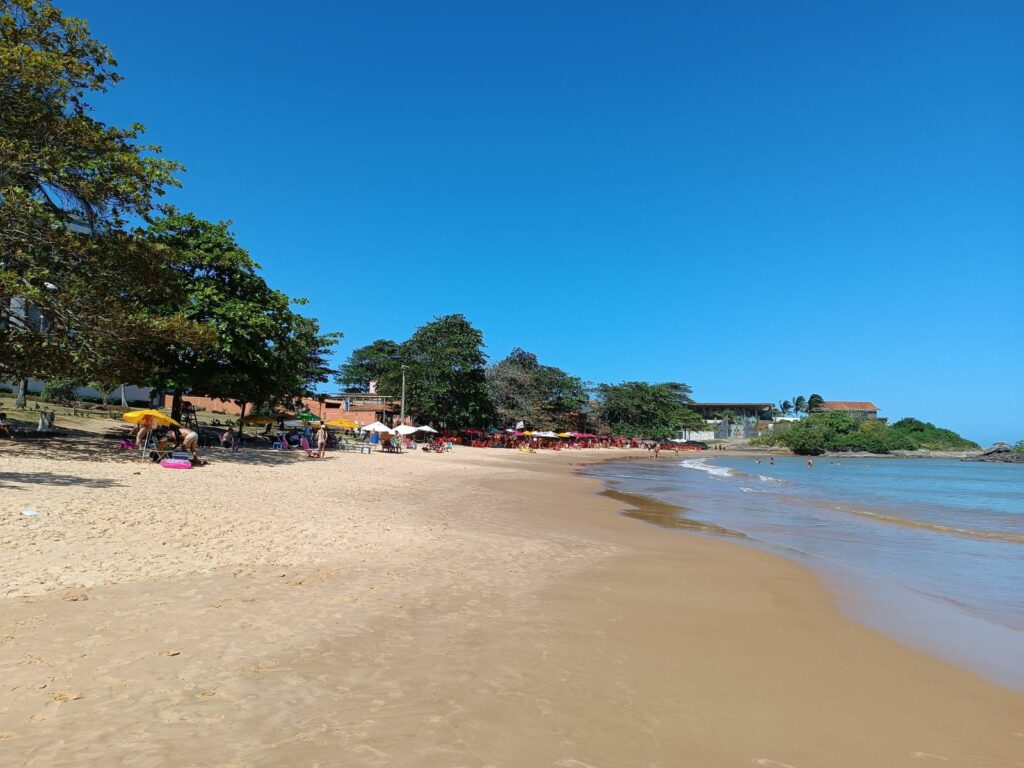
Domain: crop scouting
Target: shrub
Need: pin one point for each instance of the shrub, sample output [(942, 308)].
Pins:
[(59, 391)]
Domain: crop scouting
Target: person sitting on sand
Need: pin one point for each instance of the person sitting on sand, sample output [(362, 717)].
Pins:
[(145, 430), (228, 438), (6, 428), (293, 438)]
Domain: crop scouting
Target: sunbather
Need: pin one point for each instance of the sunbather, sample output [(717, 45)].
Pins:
[(145, 430)]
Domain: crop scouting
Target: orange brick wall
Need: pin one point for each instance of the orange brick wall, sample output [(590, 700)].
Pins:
[(329, 408)]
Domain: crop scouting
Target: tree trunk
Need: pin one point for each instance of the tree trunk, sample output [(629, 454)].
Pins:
[(124, 402), (241, 423), (176, 406), (21, 401)]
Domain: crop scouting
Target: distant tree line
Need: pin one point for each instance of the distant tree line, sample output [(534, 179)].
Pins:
[(449, 382), (838, 431)]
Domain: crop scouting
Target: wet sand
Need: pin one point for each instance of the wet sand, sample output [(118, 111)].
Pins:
[(483, 608)]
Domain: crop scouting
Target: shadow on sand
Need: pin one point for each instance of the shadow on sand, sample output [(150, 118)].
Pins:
[(50, 478)]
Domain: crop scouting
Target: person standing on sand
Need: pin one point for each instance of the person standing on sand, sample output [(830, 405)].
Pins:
[(321, 440), (657, 447)]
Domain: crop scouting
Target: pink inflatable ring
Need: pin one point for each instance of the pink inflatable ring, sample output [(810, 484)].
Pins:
[(176, 464)]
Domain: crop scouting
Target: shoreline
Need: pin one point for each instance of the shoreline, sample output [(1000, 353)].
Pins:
[(942, 628), (434, 618)]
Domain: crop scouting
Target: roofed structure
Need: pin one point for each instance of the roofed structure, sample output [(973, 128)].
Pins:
[(860, 409), (847, 405), (750, 410)]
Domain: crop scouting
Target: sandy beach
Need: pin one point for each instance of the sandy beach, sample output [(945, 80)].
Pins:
[(478, 609)]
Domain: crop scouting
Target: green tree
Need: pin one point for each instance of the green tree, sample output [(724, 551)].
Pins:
[(926, 435), (261, 351), (543, 396), (814, 402), (445, 378), (786, 407), (799, 405), (74, 283), (641, 409), (369, 363), (60, 391)]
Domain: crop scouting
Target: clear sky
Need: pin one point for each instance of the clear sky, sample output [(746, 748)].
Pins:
[(759, 199)]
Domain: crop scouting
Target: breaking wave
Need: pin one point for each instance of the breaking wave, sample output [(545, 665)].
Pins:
[(703, 466)]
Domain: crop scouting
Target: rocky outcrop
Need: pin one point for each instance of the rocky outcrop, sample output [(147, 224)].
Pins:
[(1000, 452)]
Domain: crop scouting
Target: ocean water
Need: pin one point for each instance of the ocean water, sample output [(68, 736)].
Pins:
[(930, 551)]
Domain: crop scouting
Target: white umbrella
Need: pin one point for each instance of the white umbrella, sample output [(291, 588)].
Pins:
[(426, 429), (544, 434), (405, 429), (378, 427)]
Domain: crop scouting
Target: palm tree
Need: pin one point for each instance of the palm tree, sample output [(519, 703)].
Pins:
[(799, 404), (814, 402), (785, 406)]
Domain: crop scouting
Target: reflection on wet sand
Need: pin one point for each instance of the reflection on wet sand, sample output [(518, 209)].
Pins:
[(664, 514)]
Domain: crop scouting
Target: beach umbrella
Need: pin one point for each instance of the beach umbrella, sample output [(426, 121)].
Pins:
[(342, 423), (405, 429), (259, 420), (377, 427), (426, 429), (136, 417), (306, 416), (566, 434)]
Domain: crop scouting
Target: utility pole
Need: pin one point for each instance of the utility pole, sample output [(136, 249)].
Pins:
[(402, 420)]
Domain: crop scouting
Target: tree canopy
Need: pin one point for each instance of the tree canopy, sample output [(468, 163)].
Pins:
[(542, 396), (445, 379), (262, 351), (641, 409), (74, 282), (369, 363)]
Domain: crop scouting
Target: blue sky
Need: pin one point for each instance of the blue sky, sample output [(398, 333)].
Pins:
[(759, 199)]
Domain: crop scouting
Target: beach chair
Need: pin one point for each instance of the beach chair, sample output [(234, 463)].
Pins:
[(305, 446)]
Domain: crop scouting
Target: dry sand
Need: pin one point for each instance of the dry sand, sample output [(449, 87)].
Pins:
[(482, 608)]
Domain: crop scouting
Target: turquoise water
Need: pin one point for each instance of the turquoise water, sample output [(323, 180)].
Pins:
[(930, 551)]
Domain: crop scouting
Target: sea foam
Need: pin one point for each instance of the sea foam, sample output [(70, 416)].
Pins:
[(703, 466)]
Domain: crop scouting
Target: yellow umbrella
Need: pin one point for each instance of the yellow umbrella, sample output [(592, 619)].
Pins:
[(259, 420), (342, 423), (566, 434), (136, 417)]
